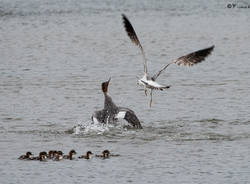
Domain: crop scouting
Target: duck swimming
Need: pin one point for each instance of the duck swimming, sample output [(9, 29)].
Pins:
[(111, 113), (42, 156), (26, 156), (51, 154), (87, 156), (70, 156), (149, 82), (58, 156), (105, 154)]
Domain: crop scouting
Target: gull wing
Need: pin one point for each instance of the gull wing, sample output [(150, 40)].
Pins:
[(154, 85), (189, 59), (132, 35)]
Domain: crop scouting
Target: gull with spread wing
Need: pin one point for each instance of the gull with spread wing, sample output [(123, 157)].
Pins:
[(149, 82)]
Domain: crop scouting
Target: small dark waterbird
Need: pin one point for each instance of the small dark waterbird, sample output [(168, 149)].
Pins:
[(105, 154), (87, 156), (42, 156), (70, 156), (58, 155), (26, 156)]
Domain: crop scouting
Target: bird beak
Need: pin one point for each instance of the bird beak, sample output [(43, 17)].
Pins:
[(109, 79)]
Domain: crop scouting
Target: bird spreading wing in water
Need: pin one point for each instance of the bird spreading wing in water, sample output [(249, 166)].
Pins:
[(112, 113), (150, 82)]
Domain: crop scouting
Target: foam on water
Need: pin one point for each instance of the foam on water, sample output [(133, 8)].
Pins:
[(90, 127)]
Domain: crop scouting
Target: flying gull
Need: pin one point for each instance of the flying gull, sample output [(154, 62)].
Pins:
[(149, 82)]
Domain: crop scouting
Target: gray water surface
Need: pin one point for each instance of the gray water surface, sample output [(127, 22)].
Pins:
[(54, 56)]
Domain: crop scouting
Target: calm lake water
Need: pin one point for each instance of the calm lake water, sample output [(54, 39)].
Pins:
[(54, 56)]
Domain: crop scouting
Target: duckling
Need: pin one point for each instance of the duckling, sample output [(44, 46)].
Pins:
[(25, 157), (111, 155), (60, 152), (87, 156), (51, 154), (70, 156), (42, 156), (44, 153), (58, 156), (105, 154)]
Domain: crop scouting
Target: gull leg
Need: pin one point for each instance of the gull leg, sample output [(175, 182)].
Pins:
[(151, 99), (145, 90)]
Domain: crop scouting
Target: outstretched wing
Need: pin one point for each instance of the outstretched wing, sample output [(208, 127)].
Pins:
[(189, 59), (154, 85), (129, 116), (194, 57), (132, 35)]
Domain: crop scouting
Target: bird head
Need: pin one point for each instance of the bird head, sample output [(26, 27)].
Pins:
[(105, 86)]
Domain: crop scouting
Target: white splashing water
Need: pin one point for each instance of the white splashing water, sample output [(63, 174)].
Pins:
[(91, 127)]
